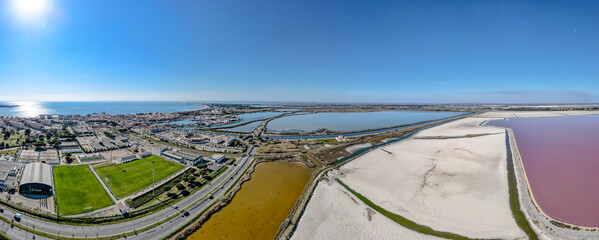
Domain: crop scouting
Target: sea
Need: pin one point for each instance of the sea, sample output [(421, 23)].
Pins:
[(34, 109)]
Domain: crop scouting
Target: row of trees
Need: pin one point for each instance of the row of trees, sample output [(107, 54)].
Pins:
[(50, 136)]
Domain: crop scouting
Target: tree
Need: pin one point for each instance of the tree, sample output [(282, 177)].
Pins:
[(39, 144), (56, 143), (68, 157), (27, 131), (180, 186)]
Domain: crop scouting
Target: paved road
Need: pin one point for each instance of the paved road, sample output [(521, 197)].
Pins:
[(227, 178)]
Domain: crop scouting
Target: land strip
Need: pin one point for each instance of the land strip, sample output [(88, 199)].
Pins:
[(402, 220)]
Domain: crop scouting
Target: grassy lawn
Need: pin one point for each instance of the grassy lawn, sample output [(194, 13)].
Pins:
[(329, 140), (9, 152), (78, 190), (131, 177), (12, 141)]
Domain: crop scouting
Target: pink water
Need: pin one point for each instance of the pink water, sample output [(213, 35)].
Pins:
[(561, 159)]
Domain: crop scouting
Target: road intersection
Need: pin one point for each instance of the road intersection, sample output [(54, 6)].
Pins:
[(194, 204)]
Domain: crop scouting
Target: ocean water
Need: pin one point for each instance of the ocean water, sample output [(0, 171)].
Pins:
[(34, 109)]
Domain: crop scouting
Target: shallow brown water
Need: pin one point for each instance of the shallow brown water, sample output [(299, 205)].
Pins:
[(561, 159), (262, 204)]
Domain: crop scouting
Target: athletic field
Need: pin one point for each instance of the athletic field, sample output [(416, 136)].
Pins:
[(131, 177), (78, 190)]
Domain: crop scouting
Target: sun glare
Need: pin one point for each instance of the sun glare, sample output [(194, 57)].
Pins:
[(30, 10)]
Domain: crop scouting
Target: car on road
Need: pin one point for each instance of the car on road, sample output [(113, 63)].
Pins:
[(18, 217), (175, 206), (1, 209), (185, 214), (210, 197)]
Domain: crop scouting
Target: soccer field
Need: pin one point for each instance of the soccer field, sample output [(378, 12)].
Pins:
[(78, 190), (131, 177)]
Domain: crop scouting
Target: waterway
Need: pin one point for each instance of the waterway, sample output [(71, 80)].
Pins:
[(560, 157), (34, 109), (262, 204), (245, 128), (248, 117), (357, 121)]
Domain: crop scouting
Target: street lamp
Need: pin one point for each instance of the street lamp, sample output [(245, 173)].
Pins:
[(153, 186)]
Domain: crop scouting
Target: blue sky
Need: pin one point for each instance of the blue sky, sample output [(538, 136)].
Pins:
[(326, 51)]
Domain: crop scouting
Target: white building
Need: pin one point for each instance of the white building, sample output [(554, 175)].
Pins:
[(184, 157), (218, 158)]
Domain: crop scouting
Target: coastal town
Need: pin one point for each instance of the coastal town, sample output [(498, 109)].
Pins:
[(180, 158), (299, 120)]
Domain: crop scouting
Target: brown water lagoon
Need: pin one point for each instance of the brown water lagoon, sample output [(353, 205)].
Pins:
[(262, 204), (561, 160)]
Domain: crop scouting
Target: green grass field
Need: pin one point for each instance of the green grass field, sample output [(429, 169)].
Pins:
[(12, 141), (9, 152), (78, 190), (131, 177)]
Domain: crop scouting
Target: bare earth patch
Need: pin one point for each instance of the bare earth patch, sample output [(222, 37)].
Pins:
[(457, 185), (333, 213)]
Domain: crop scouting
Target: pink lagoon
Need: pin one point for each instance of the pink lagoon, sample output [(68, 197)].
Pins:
[(561, 159)]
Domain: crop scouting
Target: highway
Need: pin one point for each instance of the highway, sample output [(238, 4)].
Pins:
[(218, 185)]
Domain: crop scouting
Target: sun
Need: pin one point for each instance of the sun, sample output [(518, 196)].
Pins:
[(30, 10)]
